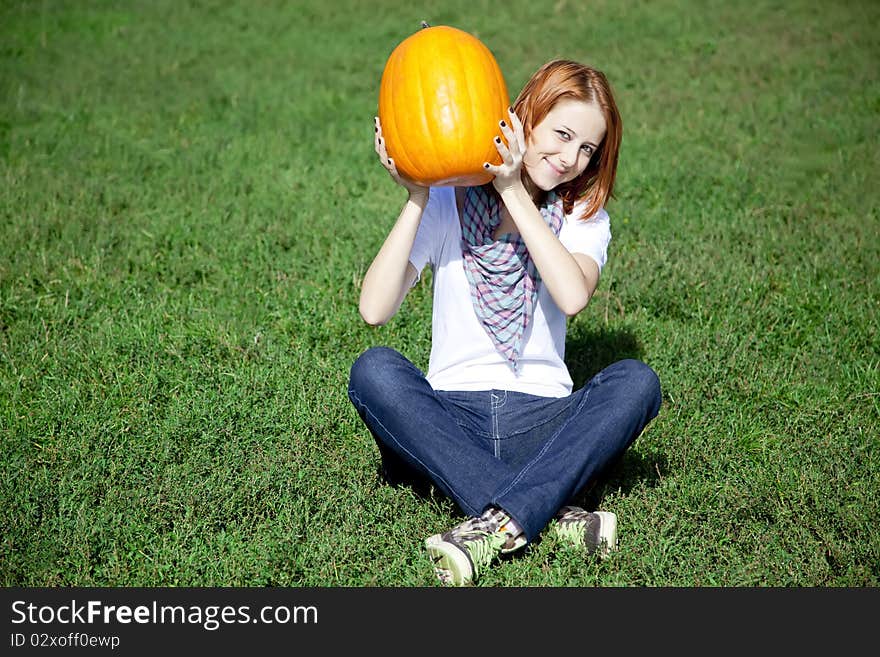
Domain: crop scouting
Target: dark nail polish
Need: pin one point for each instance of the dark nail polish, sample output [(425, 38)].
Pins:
[(503, 124), (497, 140), (485, 165)]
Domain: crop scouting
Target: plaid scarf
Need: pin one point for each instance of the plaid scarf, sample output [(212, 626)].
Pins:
[(503, 280)]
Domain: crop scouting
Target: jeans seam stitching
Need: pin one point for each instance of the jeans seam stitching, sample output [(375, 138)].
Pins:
[(353, 395), (547, 445)]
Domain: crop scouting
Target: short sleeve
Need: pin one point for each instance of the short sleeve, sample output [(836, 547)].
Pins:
[(589, 236), (427, 241)]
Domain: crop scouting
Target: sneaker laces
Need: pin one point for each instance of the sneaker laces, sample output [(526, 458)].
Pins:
[(574, 514), (572, 523), (481, 537)]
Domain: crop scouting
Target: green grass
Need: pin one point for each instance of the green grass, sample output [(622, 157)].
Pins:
[(190, 198)]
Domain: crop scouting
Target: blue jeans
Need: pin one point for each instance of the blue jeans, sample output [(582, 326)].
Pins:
[(526, 454)]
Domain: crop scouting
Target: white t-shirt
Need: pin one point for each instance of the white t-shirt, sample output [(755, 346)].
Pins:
[(462, 354)]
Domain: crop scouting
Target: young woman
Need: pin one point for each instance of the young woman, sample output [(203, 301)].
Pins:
[(494, 424)]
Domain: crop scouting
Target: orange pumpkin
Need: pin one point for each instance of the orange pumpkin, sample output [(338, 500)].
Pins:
[(440, 101)]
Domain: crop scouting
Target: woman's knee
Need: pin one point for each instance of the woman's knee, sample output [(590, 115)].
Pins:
[(642, 381), (370, 366), (382, 371)]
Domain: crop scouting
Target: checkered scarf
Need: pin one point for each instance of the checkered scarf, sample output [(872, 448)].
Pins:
[(503, 280)]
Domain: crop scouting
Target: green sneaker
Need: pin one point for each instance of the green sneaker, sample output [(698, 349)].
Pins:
[(596, 531), (461, 553)]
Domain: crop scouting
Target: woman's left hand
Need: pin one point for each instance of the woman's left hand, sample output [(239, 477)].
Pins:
[(507, 174)]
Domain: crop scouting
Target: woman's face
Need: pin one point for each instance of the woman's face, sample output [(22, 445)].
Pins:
[(560, 147)]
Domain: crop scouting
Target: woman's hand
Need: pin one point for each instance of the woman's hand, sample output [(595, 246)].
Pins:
[(507, 174), (414, 189)]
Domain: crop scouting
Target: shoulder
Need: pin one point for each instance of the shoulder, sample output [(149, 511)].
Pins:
[(590, 236), (440, 209), (575, 222), (441, 199), (439, 217)]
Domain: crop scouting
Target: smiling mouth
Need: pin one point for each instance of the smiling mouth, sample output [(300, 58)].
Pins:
[(559, 172)]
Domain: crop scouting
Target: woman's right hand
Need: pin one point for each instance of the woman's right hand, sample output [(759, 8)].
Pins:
[(411, 186)]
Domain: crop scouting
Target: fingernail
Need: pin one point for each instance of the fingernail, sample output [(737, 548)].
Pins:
[(510, 110), (389, 160), (376, 129), (497, 140), (503, 124), (485, 165), (380, 140)]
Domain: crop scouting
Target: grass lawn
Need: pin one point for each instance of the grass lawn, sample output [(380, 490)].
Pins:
[(189, 199)]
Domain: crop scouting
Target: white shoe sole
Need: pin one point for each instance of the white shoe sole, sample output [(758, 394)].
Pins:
[(451, 565), (607, 533)]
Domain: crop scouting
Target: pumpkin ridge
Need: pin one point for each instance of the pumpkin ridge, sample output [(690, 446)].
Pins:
[(407, 167), (492, 76), (426, 171), (466, 123), (386, 106)]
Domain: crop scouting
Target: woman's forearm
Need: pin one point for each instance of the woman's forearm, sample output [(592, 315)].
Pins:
[(566, 281), (390, 276)]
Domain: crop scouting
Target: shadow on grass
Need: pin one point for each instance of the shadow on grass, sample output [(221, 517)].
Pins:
[(589, 351), (633, 469)]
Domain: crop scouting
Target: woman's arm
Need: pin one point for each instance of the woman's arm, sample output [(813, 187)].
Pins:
[(570, 278), (390, 275)]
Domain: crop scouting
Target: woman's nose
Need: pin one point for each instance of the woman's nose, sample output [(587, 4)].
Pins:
[(569, 155)]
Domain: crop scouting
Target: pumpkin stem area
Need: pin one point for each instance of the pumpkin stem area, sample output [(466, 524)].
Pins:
[(425, 24)]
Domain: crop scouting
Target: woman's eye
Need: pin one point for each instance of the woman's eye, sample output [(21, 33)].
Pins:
[(563, 135), (587, 149)]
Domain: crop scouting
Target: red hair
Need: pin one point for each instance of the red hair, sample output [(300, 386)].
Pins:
[(561, 79)]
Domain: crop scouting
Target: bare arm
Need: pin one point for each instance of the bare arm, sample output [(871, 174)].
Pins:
[(390, 275), (570, 278)]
